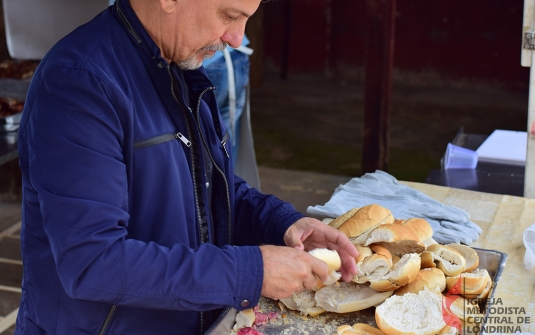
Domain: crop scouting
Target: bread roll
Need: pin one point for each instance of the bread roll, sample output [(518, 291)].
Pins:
[(333, 261), (337, 222), (470, 255), (461, 307), (358, 226), (420, 227), (433, 279), (486, 290), (379, 249), (303, 302), (447, 259), (330, 257), (429, 241), (428, 260), (398, 239), (244, 318), (375, 266), (411, 314), (469, 284), (349, 297), (358, 329), (364, 251), (402, 273)]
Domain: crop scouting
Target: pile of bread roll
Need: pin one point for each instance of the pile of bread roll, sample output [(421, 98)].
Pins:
[(402, 271)]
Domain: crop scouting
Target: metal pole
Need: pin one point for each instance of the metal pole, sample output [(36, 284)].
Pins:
[(379, 55), (528, 60)]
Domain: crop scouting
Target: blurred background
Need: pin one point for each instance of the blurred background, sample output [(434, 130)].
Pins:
[(455, 64)]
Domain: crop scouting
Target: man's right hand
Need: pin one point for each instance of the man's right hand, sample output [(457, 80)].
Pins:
[(289, 270)]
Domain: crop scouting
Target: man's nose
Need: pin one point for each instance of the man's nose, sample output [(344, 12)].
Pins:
[(233, 39)]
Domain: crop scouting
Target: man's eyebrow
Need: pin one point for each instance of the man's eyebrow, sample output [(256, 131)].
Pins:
[(240, 12)]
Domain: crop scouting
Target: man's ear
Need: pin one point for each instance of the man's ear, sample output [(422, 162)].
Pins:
[(169, 6)]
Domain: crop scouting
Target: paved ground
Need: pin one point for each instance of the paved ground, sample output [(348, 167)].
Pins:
[(10, 265)]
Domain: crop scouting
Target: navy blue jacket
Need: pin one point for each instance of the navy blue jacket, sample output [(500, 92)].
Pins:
[(115, 235)]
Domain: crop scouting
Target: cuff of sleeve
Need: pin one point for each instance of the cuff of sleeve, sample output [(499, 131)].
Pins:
[(250, 277), (282, 219)]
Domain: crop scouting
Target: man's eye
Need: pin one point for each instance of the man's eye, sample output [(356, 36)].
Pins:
[(230, 17)]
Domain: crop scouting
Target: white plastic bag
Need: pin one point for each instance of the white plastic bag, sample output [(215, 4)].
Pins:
[(529, 243)]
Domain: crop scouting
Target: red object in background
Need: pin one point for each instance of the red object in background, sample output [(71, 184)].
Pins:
[(10, 106), (17, 69), (21, 70)]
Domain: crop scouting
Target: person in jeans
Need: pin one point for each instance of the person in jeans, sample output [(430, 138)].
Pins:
[(231, 100)]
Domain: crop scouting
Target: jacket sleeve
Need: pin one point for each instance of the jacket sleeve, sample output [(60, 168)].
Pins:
[(72, 155), (263, 217)]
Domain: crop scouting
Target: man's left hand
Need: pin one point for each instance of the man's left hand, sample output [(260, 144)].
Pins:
[(308, 233)]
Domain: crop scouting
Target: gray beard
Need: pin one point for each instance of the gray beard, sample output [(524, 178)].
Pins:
[(190, 64), (193, 63)]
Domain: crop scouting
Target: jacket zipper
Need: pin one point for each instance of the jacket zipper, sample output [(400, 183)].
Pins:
[(107, 320), (192, 155), (162, 139), (225, 138), (183, 139), (126, 23), (224, 142)]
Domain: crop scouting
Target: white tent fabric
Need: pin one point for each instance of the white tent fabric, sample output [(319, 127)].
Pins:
[(31, 33)]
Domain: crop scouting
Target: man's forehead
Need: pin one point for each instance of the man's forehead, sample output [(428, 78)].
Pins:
[(241, 7)]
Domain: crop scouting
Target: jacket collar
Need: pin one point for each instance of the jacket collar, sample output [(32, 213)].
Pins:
[(197, 80)]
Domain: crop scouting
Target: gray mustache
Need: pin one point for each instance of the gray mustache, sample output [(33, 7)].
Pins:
[(214, 47)]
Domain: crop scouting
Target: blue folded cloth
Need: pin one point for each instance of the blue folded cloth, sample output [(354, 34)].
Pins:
[(450, 224)]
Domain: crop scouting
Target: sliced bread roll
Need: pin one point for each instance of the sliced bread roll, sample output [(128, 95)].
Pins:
[(411, 314), (303, 302), (244, 318), (462, 308), (358, 226), (470, 255), (359, 329), (330, 257), (433, 279), (401, 274), (469, 284), (333, 261), (428, 260), (447, 259), (398, 239), (376, 265), (337, 222), (421, 228), (486, 290), (349, 297), (364, 252)]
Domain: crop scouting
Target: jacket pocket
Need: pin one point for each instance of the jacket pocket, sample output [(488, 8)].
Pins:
[(161, 139)]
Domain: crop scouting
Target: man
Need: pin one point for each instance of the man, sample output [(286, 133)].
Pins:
[(133, 221)]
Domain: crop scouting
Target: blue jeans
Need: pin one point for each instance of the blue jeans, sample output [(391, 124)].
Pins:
[(217, 72)]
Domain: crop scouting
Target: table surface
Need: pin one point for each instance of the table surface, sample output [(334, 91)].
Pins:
[(503, 218), (486, 177)]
